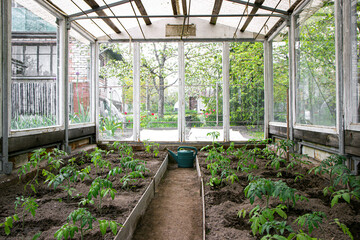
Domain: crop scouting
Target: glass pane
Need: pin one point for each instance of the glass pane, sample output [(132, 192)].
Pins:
[(159, 92), (31, 65), (44, 65), (116, 92), (315, 72), (44, 49), (31, 50), (34, 91), (246, 91), (280, 52), (203, 91), (79, 79)]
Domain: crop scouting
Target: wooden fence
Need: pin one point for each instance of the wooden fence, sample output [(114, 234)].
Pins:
[(34, 97)]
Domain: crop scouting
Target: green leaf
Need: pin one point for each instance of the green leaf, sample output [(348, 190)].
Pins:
[(103, 224), (36, 236), (33, 187), (346, 197), (334, 200), (113, 227), (7, 230)]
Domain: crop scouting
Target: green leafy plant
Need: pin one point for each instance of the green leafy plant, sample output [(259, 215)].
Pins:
[(67, 175), (99, 163), (110, 124), (264, 219), (151, 146), (36, 158), (311, 220), (344, 228), (268, 188), (100, 188), (8, 223), (345, 194), (104, 224), (27, 204), (84, 218), (214, 135), (131, 177)]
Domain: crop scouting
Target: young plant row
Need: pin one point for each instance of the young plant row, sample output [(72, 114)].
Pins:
[(270, 222), (60, 176)]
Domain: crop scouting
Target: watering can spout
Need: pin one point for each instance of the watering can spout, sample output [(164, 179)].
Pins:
[(175, 156)]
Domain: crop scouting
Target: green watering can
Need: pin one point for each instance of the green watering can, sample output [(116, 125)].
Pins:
[(184, 158)]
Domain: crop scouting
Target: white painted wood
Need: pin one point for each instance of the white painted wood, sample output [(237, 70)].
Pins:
[(226, 91), (292, 76), (313, 128), (65, 69), (277, 124), (268, 87), (96, 110), (181, 95), (1, 69), (136, 91), (339, 75)]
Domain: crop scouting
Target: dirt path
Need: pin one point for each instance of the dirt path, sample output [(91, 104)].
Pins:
[(175, 212)]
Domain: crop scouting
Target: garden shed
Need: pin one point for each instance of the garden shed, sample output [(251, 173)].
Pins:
[(163, 73)]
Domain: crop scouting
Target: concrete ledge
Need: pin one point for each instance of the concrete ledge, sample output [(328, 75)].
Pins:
[(127, 231)]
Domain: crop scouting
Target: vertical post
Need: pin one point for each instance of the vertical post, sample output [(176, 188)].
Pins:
[(217, 103), (136, 91), (181, 98), (65, 69), (6, 166), (339, 74), (226, 91), (96, 93), (268, 87), (292, 76), (349, 43)]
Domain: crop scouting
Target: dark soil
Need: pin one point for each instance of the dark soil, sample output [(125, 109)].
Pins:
[(223, 204), (54, 207), (176, 211)]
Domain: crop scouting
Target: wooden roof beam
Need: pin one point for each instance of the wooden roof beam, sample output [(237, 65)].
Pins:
[(253, 11), (184, 7), (216, 10), (260, 6), (101, 13), (176, 7), (142, 10)]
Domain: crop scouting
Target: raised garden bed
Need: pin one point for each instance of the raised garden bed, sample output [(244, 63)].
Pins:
[(54, 205), (227, 206)]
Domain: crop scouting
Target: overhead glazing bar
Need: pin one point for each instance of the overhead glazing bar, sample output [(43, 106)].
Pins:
[(193, 15), (257, 5), (98, 9)]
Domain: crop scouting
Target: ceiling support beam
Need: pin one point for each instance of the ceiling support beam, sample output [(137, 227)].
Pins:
[(99, 8), (253, 11), (216, 10), (184, 7), (101, 13), (143, 12), (260, 6), (175, 6)]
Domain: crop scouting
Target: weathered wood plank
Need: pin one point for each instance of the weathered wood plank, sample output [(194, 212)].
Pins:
[(101, 13), (143, 12), (216, 10), (253, 11)]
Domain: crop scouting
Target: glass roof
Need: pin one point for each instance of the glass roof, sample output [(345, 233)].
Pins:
[(131, 21)]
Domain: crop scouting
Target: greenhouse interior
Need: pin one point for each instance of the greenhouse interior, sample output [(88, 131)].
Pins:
[(181, 119)]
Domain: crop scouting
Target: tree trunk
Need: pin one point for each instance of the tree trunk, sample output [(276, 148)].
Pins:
[(161, 98)]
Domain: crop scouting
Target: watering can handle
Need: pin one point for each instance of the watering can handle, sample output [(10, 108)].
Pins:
[(192, 148)]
